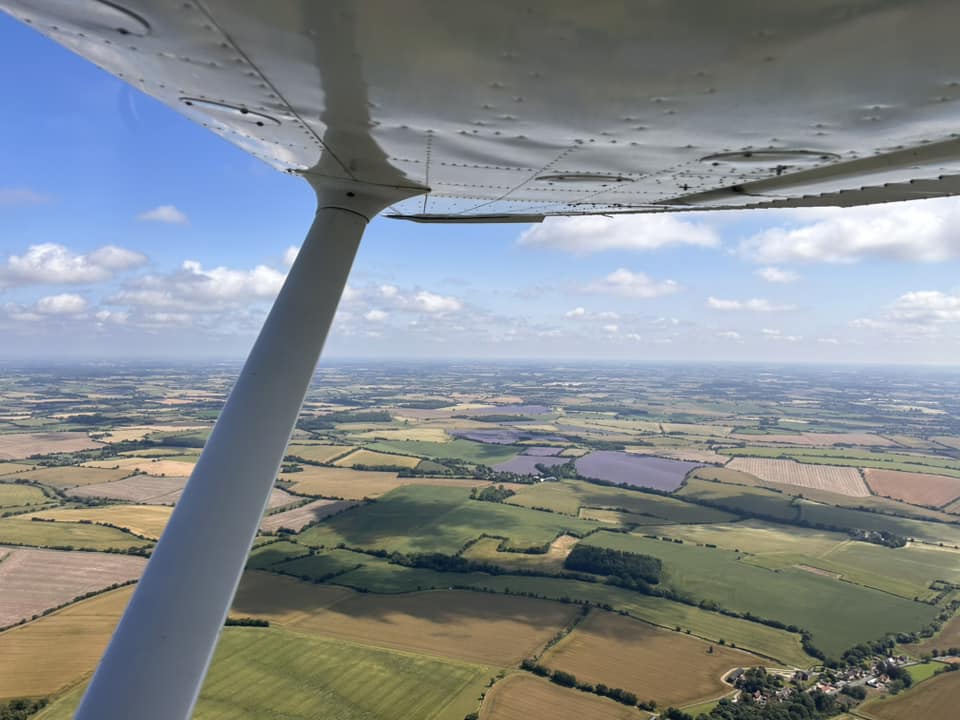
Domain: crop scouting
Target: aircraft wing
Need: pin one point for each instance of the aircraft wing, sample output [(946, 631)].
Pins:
[(511, 111)]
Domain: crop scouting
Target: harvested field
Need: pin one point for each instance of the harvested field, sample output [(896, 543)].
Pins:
[(11, 468), (521, 697), (145, 520), (21, 496), (15, 446), (842, 480), (369, 458), (916, 488), (35, 580), (71, 476), (348, 484), (139, 432), (18, 531), (138, 488), (475, 627), (935, 699), (318, 453), (697, 455), (485, 453), (300, 517), (154, 466), (47, 656), (817, 439), (669, 667), (644, 471), (949, 636), (485, 550), (414, 432)]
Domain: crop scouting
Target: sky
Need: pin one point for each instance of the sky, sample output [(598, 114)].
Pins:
[(126, 231)]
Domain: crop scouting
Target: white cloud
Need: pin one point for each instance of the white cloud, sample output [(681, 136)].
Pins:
[(579, 313), (776, 275), (611, 328), (588, 234), (63, 304), (13, 197), (164, 214), (376, 315), (828, 341), (771, 334), (926, 307), (290, 254), (625, 283), (751, 305), (729, 335), (433, 303), (191, 288), (53, 264), (916, 231)]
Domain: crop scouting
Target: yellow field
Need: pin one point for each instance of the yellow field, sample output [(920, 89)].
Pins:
[(935, 699), (695, 454), (15, 446), (139, 432), (78, 633), (145, 520), (521, 697), (485, 550), (336, 482), (414, 432), (318, 453), (657, 664), (842, 480), (10, 468), (377, 459), (155, 466), (489, 629), (72, 476)]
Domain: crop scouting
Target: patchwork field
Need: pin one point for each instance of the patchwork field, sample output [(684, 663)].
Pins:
[(34, 580), (917, 488), (412, 432), (145, 520), (475, 627), (485, 550), (439, 519), (17, 531), (317, 453), (459, 449), (348, 484), (370, 458), (298, 518), (15, 496), (936, 699), (669, 667), (159, 467), (521, 697), (139, 432), (815, 439), (837, 614), (70, 476), (842, 480), (53, 653), (15, 446), (150, 490)]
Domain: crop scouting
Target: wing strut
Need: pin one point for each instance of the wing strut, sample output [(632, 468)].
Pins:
[(160, 651)]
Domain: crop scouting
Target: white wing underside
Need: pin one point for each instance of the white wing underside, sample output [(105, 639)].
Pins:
[(509, 111)]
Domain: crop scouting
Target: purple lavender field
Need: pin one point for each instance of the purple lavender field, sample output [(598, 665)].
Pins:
[(527, 464), (542, 450), (512, 410), (640, 470)]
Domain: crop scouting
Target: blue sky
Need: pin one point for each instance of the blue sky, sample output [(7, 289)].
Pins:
[(126, 230)]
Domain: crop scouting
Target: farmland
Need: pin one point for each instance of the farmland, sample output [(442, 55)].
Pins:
[(145, 520), (35, 580), (15, 446), (917, 488), (645, 471), (69, 477), (17, 531), (668, 667), (936, 699), (159, 467), (370, 459), (466, 450), (521, 697), (349, 484), (317, 453), (299, 517), (20, 496), (841, 480)]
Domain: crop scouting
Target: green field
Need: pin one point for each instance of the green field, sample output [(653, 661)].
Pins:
[(273, 553), (459, 449), (856, 458), (924, 671), (18, 496), (930, 532), (438, 519), (321, 565), (80, 536), (568, 496), (837, 614), (741, 498), (274, 673)]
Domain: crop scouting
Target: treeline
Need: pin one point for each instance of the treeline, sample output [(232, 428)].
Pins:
[(569, 680), (246, 622), (628, 569), (798, 706), (21, 708), (492, 493), (330, 420)]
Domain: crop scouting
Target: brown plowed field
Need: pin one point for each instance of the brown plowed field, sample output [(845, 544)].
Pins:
[(916, 488), (936, 699), (657, 664), (300, 517), (522, 697), (22, 445), (841, 480), (35, 580)]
